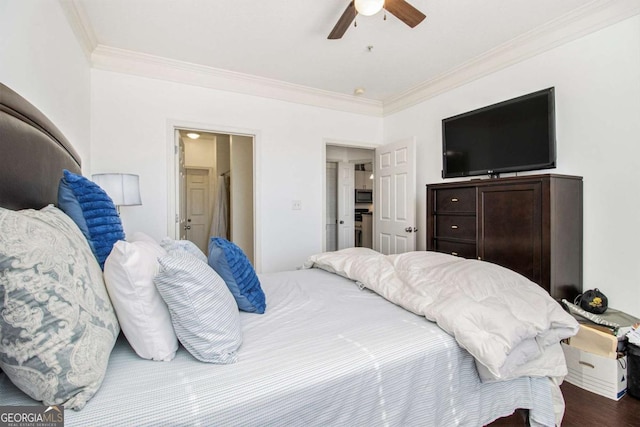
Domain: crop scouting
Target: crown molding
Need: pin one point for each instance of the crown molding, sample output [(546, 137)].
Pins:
[(587, 19), (144, 65), (80, 25), (593, 16)]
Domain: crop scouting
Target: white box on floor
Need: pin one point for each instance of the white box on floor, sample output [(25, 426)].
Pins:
[(597, 374)]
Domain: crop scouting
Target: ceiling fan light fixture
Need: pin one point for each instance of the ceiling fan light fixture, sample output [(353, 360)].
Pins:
[(369, 7)]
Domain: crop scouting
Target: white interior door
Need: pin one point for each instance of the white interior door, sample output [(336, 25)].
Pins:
[(395, 207), (346, 205), (182, 190), (198, 214)]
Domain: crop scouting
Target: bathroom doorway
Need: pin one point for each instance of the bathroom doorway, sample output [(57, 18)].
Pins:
[(215, 188)]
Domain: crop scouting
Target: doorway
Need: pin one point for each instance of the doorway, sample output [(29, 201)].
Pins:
[(215, 188), (393, 193), (345, 171)]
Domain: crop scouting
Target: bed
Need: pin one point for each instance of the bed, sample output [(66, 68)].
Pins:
[(328, 351)]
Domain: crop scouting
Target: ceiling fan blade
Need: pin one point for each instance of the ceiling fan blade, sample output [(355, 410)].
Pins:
[(404, 12), (343, 23)]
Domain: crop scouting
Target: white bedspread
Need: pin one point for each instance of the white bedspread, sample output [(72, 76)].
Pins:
[(509, 324), (325, 353)]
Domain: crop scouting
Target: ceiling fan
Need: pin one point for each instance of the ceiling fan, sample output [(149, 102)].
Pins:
[(399, 8)]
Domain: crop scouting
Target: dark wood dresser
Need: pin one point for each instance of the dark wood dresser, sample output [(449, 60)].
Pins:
[(529, 224)]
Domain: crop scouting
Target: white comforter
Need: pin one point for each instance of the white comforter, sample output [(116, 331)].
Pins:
[(509, 324)]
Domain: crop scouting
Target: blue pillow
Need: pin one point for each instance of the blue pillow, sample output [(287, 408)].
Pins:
[(228, 260), (93, 212)]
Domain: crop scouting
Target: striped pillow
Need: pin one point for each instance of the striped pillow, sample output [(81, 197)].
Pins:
[(203, 311)]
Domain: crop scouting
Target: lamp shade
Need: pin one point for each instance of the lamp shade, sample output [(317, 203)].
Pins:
[(123, 188)]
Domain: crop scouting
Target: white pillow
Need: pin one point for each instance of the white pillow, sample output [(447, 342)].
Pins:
[(205, 315), (173, 246), (139, 236), (144, 317)]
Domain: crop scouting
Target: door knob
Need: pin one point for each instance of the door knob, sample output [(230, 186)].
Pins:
[(341, 222), (409, 229), (187, 227)]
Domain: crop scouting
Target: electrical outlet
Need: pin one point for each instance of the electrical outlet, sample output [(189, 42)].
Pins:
[(296, 205)]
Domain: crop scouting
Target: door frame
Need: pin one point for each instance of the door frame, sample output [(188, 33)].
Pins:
[(323, 165), (174, 125)]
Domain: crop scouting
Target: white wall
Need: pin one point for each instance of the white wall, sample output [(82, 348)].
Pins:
[(223, 153), (130, 117), (242, 194), (349, 154), (200, 153), (41, 59), (597, 81)]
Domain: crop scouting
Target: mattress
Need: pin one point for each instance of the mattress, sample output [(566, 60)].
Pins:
[(325, 353)]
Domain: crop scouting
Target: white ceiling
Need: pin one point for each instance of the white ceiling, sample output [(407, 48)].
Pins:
[(287, 41)]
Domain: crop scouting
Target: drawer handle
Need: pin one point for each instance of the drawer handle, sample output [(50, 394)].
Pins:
[(454, 199), (454, 227), (586, 364), (454, 253)]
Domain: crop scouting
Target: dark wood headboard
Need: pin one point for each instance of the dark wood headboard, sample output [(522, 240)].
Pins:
[(33, 153)]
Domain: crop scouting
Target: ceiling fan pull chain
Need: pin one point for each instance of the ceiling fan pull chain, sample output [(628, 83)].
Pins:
[(385, 15), (355, 22)]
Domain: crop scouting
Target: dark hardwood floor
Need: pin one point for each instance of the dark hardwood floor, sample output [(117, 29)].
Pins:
[(586, 409)]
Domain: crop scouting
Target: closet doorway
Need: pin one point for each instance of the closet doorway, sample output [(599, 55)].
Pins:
[(215, 188)]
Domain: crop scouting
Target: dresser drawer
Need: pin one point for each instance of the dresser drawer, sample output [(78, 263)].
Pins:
[(456, 226), (465, 250), (455, 200)]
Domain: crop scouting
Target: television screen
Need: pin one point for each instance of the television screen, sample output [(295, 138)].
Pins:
[(511, 136)]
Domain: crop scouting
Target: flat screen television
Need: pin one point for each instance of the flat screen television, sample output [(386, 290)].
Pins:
[(510, 136)]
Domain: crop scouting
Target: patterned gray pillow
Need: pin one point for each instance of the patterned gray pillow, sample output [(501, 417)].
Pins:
[(57, 324)]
